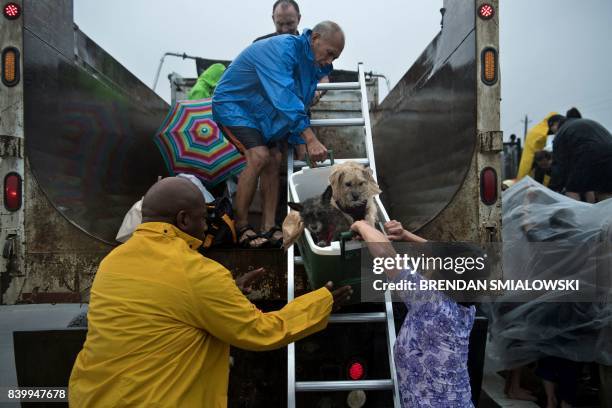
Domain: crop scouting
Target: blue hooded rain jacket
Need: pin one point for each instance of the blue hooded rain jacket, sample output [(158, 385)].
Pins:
[(269, 87)]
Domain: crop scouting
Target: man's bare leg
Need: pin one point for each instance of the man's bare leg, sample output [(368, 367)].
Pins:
[(269, 191), (589, 197), (257, 159), (571, 194), (514, 389), (551, 398)]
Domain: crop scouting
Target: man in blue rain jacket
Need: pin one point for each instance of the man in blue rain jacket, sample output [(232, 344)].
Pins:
[(261, 101)]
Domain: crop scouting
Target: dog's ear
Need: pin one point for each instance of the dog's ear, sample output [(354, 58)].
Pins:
[(373, 188), (296, 206), (327, 195), (336, 177)]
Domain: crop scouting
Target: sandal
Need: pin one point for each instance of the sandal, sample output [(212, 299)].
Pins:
[(269, 235), (245, 240)]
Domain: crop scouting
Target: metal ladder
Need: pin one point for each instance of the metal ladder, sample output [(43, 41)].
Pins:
[(386, 317)]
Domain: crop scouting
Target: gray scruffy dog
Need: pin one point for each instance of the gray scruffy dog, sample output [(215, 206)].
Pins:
[(324, 221)]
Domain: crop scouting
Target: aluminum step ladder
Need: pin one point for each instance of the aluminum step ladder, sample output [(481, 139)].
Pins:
[(386, 317)]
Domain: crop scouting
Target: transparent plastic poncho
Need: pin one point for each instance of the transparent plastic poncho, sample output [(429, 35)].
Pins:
[(548, 236)]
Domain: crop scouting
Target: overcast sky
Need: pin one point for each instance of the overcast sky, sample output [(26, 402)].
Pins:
[(554, 53)]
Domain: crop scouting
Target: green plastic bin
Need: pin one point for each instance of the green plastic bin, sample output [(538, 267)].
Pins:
[(341, 261)]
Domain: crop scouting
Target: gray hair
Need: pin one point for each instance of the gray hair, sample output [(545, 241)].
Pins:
[(327, 29)]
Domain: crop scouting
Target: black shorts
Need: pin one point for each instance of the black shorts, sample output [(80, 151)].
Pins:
[(245, 138)]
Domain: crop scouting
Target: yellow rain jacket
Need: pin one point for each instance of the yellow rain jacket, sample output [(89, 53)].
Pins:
[(534, 141), (161, 321)]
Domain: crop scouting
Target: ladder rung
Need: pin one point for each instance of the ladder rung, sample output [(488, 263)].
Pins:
[(338, 86), (299, 163), (379, 317), (311, 386), (298, 260), (338, 122)]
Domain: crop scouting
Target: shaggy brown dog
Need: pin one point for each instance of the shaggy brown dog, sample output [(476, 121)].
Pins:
[(354, 189)]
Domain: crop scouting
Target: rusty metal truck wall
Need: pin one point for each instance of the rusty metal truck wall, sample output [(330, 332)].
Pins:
[(424, 131), (89, 123)]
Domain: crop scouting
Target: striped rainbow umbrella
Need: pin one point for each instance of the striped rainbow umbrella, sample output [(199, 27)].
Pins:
[(190, 142)]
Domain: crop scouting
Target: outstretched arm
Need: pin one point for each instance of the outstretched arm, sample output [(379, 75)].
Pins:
[(222, 310)]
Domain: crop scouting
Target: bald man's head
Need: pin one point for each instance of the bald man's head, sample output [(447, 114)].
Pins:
[(327, 41), (176, 201)]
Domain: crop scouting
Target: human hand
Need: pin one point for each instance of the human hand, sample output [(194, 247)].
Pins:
[(367, 233), (245, 281), (378, 244), (357, 227), (394, 230), (316, 151), (340, 295)]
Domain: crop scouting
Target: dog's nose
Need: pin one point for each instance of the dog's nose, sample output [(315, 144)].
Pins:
[(355, 196)]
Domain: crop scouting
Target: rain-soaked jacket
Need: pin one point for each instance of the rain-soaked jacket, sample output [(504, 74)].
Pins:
[(535, 140), (582, 157), (161, 321), (269, 87), (207, 82)]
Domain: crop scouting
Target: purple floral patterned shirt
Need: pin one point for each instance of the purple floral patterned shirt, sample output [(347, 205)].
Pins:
[(431, 349)]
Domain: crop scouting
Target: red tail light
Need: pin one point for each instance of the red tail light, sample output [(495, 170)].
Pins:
[(12, 192), (488, 186), (486, 11), (11, 11), (356, 371)]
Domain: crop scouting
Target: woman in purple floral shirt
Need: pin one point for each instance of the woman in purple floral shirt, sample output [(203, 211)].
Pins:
[(431, 349)]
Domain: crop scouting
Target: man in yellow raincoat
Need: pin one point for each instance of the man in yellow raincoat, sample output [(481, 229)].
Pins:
[(534, 141), (162, 317)]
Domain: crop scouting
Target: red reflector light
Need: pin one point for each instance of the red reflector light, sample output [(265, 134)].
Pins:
[(488, 186), (11, 11), (486, 11), (356, 371), (12, 192)]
